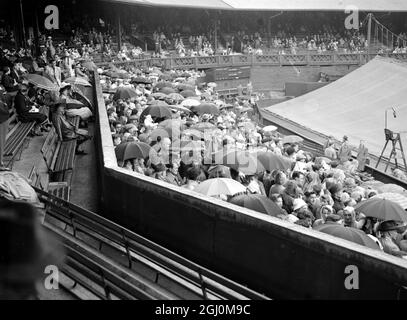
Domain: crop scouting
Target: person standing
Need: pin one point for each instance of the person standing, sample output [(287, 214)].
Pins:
[(362, 156), (345, 151)]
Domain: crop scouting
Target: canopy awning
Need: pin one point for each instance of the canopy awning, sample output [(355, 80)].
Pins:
[(278, 5), (355, 105)]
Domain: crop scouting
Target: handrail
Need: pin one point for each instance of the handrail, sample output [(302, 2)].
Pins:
[(138, 248), (310, 59)]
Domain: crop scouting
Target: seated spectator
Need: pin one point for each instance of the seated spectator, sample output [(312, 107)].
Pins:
[(389, 236), (10, 83), (66, 130), (27, 112)]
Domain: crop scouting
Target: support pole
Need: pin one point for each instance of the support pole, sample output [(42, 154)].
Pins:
[(119, 31), (22, 23), (369, 34)]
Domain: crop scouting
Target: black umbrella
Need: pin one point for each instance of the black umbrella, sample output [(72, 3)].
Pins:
[(257, 202), (124, 93)]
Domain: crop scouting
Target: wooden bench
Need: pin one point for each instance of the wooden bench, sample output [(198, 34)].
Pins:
[(58, 189), (59, 155)]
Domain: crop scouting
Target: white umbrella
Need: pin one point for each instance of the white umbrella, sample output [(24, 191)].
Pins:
[(270, 128), (220, 186), (190, 103)]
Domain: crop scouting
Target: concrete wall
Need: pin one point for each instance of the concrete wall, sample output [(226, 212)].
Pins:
[(271, 256)]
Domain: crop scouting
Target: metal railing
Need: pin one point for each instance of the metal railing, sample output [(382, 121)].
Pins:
[(75, 224), (310, 59)]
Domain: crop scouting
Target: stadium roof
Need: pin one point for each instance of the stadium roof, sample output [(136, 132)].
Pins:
[(277, 5)]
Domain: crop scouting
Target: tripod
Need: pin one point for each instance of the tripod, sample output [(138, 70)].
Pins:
[(395, 139)]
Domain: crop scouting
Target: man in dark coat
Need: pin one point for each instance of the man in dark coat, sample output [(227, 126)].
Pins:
[(4, 114), (25, 110)]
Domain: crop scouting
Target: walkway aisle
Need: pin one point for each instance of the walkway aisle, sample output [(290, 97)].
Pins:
[(84, 181)]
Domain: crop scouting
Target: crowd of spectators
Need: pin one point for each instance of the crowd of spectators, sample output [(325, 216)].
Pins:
[(184, 138)]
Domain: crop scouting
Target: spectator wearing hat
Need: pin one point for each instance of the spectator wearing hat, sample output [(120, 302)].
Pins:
[(9, 82), (66, 130), (330, 151), (26, 110), (345, 151), (53, 72), (279, 181), (389, 234)]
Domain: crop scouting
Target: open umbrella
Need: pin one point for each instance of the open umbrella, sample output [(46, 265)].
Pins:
[(171, 123), (190, 103), (78, 81), (272, 161), (79, 95), (41, 82), (204, 108), (90, 65), (212, 85), (73, 103), (220, 186), (204, 126), (270, 128), (171, 133), (382, 209), (325, 159), (167, 90), (158, 103), (175, 96), (395, 197), (196, 134), (132, 150), (156, 111), (159, 95), (257, 202), (350, 234), (292, 139), (124, 93), (219, 171), (163, 84), (141, 80), (184, 87), (391, 187), (243, 161), (188, 93), (179, 108)]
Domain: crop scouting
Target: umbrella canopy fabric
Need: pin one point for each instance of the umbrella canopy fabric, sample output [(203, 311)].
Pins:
[(212, 84), (156, 111), (382, 209), (186, 87), (391, 187), (163, 84), (132, 150), (188, 93), (243, 161), (205, 108), (272, 161), (79, 95), (179, 108), (196, 134), (73, 103), (175, 96), (141, 80), (270, 128), (190, 103), (90, 65), (171, 133), (219, 171), (395, 197), (220, 186), (204, 126), (292, 139), (350, 234), (42, 82), (124, 93), (257, 202), (167, 90), (159, 95), (158, 103), (78, 81)]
